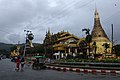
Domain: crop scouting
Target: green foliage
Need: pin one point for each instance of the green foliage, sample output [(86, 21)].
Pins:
[(3, 51), (6, 46), (116, 48), (110, 60), (49, 50), (82, 56), (107, 60), (38, 48), (69, 56), (13, 48), (88, 38), (87, 31)]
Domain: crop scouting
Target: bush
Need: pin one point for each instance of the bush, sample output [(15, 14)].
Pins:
[(107, 60)]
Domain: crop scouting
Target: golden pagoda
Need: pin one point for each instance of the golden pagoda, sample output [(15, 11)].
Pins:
[(99, 38), (63, 43)]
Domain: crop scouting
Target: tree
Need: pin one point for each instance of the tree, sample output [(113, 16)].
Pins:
[(83, 49), (13, 48), (88, 38), (116, 49), (38, 48), (3, 52)]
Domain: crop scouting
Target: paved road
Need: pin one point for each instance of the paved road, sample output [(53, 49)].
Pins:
[(7, 72)]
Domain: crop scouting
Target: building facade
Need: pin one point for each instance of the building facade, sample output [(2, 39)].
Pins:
[(63, 43), (100, 41)]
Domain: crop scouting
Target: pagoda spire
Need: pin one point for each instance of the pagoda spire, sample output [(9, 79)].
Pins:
[(96, 14), (49, 31), (97, 29)]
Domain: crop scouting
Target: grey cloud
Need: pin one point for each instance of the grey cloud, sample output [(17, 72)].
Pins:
[(58, 15)]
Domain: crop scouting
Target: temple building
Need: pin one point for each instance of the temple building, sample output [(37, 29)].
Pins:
[(63, 43), (100, 41)]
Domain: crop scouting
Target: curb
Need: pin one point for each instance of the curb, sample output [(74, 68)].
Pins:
[(83, 70)]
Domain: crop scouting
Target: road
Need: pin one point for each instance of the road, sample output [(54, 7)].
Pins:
[(7, 72)]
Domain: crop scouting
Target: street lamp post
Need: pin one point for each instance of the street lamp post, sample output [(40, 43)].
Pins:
[(28, 38)]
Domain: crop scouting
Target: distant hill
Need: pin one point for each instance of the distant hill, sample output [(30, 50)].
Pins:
[(6, 46)]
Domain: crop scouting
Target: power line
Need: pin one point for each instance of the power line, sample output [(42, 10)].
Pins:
[(64, 10), (112, 16), (70, 7)]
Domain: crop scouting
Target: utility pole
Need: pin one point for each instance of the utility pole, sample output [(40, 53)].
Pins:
[(25, 42), (28, 38), (112, 38)]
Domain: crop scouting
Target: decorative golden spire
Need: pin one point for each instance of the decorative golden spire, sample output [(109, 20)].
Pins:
[(97, 29), (96, 14), (49, 31)]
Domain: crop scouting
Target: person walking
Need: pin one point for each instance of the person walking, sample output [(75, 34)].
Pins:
[(22, 63), (17, 63)]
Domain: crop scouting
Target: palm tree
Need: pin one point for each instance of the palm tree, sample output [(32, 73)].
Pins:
[(83, 46), (87, 31), (88, 38)]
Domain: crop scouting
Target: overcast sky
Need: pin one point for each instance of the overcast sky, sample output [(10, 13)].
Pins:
[(58, 15)]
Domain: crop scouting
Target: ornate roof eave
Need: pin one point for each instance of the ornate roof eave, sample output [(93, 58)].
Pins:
[(64, 34), (81, 39), (65, 45), (67, 37)]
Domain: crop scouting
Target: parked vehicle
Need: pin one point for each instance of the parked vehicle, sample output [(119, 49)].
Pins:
[(39, 62)]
